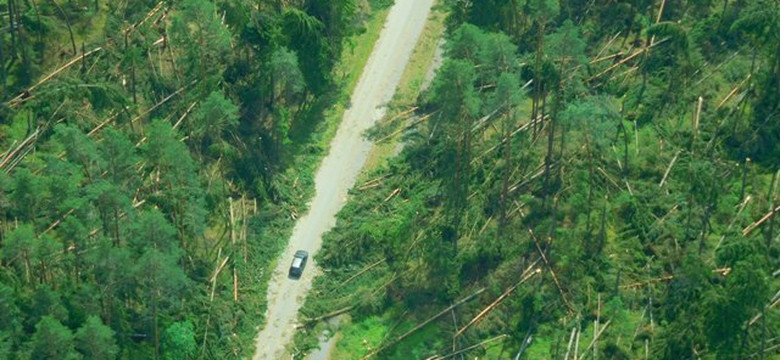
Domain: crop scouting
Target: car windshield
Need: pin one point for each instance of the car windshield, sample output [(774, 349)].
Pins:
[(297, 262)]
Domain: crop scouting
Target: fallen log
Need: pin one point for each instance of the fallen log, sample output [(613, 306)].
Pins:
[(26, 93), (181, 118), (749, 229), (415, 123), (722, 271), (627, 59), (10, 154), (603, 49), (371, 183), (527, 274), (60, 220), (148, 16), (361, 272), (595, 338), (669, 168), (393, 194), (733, 220), (329, 315), (731, 93), (422, 325), (163, 101), (552, 272), (499, 337)]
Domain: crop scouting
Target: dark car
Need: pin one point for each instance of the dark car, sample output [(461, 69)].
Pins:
[(298, 263)]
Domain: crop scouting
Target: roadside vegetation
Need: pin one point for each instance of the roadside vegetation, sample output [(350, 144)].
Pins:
[(592, 180), (156, 157)]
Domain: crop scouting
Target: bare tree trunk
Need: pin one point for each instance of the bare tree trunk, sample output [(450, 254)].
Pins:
[(603, 232), (744, 178), (67, 23), (626, 140), (723, 12), (705, 228), (689, 218), (12, 27), (38, 17), (771, 200), (20, 35), (589, 209), (2, 73), (154, 316), (762, 353), (508, 124), (537, 77), (550, 155), (132, 69)]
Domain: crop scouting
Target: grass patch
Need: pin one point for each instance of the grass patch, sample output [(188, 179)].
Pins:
[(360, 338), (409, 88), (369, 333)]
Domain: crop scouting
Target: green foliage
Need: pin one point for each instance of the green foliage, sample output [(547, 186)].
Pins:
[(215, 115), (52, 341), (115, 209), (179, 341), (95, 340), (543, 10), (381, 4), (198, 31), (624, 185)]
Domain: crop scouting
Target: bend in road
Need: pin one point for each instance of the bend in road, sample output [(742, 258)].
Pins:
[(340, 168)]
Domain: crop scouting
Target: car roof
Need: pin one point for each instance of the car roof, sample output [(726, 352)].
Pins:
[(301, 254)]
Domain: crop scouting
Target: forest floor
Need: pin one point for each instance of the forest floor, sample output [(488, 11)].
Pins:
[(340, 168)]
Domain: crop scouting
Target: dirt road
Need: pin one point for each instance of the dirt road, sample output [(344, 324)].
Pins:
[(339, 169)]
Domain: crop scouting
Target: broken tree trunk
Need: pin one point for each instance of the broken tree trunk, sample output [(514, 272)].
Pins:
[(233, 249), (102, 124), (421, 325), (361, 272), (669, 168), (402, 129), (596, 337), (621, 62), (733, 220), (189, 109), (499, 337), (329, 315), (746, 231), (552, 272), (148, 16), (527, 274), (26, 93), (217, 271), (603, 49), (571, 342), (731, 93), (163, 101), (29, 140), (696, 117), (577, 344)]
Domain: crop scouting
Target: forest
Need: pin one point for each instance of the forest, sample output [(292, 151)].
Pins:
[(154, 155), (582, 180)]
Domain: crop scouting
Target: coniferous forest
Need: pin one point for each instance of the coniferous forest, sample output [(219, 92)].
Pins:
[(133, 135), (585, 180), (582, 179)]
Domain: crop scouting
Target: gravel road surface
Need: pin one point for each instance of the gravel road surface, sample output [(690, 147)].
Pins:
[(338, 171)]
